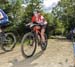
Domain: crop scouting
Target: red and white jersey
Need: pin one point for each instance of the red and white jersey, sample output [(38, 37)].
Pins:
[(38, 19)]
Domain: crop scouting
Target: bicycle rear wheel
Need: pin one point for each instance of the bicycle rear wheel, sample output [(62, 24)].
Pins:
[(10, 42), (28, 45), (44, 45)]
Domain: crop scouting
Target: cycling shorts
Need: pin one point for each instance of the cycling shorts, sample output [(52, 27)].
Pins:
[(3, 22)]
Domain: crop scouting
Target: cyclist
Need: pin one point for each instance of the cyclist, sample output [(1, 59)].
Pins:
[(38, 18), (3, 19)]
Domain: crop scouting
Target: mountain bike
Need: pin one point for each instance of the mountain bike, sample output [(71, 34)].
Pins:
[(31, 39), (7, 41)]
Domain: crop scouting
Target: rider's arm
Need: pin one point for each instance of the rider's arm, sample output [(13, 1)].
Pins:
[(43, 20), (1, 15)]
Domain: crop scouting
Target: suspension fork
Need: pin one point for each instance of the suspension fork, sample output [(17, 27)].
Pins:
[(37, 38), (36, 34)]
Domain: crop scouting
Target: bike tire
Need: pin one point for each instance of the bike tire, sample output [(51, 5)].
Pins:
[(12, 36), (22, 45), (44, 46)]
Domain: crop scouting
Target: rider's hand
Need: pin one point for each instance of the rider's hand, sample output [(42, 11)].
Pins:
[(41, 23), (28, 24), (45, 22)]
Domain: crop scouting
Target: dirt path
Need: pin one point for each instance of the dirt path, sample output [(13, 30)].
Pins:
[(59, 53)]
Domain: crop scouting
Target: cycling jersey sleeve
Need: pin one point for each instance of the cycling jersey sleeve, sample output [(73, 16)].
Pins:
[(42, 17), (33, 19), (43, 20)]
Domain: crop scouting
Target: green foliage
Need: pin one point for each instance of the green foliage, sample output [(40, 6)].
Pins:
[(62, 16), (19, 15), (65, 12)]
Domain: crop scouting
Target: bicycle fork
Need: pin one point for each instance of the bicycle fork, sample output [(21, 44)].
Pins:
[(37, 39)]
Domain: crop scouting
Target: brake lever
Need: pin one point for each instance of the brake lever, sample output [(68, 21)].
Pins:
[(28, 24)]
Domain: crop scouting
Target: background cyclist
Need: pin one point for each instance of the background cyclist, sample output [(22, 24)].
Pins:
[(3, 19)]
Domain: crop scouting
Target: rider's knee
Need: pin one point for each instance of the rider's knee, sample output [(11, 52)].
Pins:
[(42, 33)]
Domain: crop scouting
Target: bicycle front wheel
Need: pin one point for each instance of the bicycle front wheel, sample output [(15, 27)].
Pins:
[(28, 45), (10, 42)]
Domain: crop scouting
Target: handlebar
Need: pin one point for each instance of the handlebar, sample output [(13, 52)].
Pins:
[(33, 24)]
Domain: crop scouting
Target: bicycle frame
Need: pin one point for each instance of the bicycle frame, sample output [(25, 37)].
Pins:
[(37, 34), (37, 31)]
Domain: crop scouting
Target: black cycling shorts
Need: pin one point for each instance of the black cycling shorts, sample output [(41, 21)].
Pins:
[(43, 26)]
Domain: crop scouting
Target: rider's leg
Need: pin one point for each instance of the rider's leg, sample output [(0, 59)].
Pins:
[(0, 27), (2, 24), (1, 38), (0, 30), (42, 34)]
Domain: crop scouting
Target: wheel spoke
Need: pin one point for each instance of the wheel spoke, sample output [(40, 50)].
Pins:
[(10, 42)]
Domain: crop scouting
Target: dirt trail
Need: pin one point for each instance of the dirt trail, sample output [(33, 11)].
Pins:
[(59, 53)]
